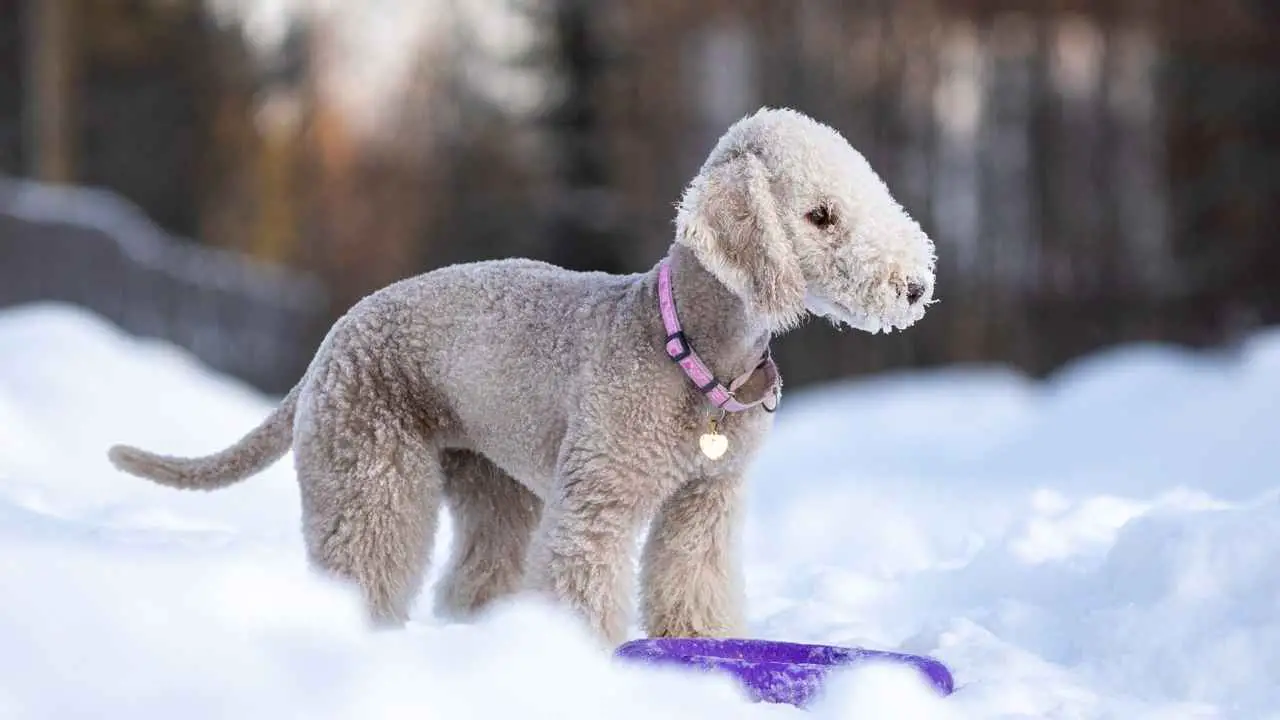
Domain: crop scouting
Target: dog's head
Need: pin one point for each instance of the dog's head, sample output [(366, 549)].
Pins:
[(793, 220)]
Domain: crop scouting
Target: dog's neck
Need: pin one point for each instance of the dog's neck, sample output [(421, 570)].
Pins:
[(716, 321)]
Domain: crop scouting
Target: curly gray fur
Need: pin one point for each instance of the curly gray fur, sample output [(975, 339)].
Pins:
[(539, 405)]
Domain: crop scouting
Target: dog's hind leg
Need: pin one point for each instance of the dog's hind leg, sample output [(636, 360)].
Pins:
[(494, 517), (371, 486)]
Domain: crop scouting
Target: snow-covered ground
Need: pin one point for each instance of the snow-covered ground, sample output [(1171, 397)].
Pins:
[(1105, 545)]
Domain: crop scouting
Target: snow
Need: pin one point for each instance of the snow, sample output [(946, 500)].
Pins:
[(147, 245), (1105, 544)]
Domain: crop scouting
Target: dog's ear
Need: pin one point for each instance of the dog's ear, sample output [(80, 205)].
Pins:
[(729, 218)]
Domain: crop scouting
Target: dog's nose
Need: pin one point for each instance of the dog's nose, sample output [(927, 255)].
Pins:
[(915, 291)]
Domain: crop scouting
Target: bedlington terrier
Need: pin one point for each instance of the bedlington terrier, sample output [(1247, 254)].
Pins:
[(558, 413)]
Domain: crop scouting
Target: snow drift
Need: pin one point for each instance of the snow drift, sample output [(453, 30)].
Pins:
[(1103, 545)]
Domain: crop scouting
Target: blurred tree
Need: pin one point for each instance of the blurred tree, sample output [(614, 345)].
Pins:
[(51, 60), (122, 95), (150, 98), (12, 23), (584, 224), (1093, 170), (1223, 136)]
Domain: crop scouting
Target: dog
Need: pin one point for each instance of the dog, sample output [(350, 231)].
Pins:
[(557, 414)]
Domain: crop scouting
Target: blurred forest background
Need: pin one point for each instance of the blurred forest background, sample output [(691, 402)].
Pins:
[(231, 175)]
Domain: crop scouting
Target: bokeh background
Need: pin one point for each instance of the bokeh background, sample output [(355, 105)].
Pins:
[(230, 175)]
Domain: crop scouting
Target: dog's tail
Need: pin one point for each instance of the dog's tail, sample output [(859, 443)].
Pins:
[(250, 455)]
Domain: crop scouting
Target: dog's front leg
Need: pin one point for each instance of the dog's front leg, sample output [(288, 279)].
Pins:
[(690, 579), (582, 552)]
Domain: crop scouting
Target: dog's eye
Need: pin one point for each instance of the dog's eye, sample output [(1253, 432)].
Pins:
[(821, 216)]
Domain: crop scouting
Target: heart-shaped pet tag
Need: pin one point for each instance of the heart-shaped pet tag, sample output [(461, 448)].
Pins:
[(713, 445)]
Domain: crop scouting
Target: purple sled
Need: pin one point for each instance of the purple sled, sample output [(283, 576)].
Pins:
[(771, 671)]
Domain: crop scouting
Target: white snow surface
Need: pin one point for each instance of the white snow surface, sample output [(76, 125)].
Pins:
[(1105, 544)]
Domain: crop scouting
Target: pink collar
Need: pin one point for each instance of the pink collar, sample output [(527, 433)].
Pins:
[(679, 349)]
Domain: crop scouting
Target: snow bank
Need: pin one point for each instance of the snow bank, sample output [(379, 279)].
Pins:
[(1104, 545)]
